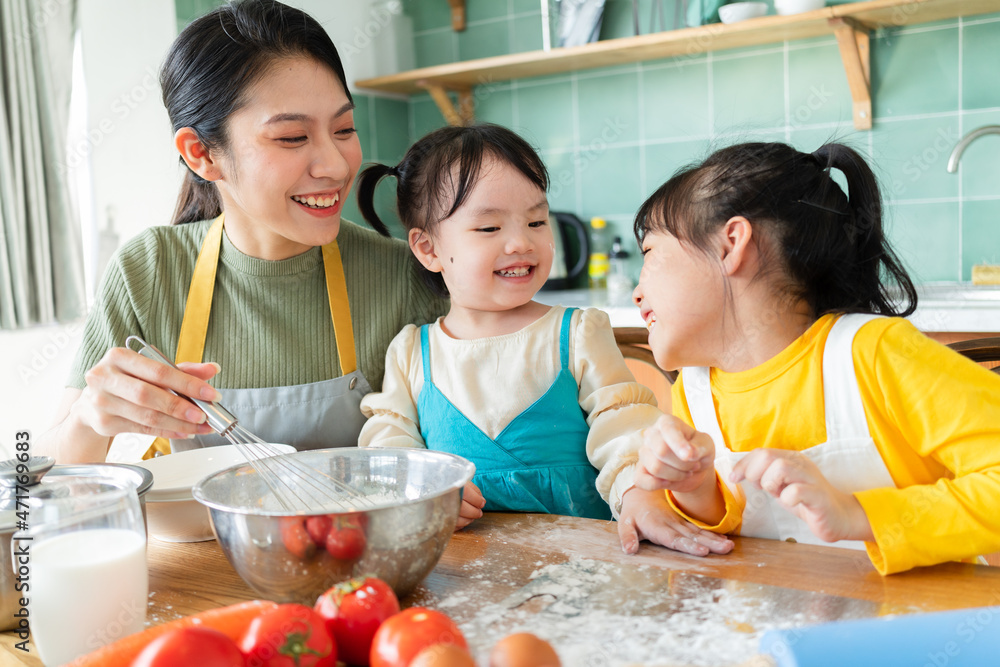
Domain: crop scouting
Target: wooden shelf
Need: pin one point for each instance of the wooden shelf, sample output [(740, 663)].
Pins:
[(850, 23)]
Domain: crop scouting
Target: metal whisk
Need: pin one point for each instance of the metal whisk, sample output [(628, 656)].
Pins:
[(296, 487)]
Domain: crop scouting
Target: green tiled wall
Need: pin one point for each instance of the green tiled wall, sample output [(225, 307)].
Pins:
[(611, 136), (189, 10), (383, 128)]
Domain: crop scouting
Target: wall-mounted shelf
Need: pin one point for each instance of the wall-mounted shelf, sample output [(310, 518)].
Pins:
[(850, 23)]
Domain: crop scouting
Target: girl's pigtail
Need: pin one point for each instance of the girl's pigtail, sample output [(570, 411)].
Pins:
[(863, 227), (367, 182)]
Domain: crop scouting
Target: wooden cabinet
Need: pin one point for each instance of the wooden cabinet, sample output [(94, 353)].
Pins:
[(850, 23)]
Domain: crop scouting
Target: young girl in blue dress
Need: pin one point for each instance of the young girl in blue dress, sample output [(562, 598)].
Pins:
[(538, 397)]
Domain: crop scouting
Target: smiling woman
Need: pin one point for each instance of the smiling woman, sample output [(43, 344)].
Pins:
[(259, 273)]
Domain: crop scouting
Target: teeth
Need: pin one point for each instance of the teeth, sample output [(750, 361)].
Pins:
[(317, 202), (650, 322), (515, 273)]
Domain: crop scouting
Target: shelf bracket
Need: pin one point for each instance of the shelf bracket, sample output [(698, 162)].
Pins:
[(465, 114), (457, 15), (852, 38)]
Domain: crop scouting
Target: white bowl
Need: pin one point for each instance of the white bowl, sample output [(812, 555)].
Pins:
[(172, 512), (741, 11), (786, 7)]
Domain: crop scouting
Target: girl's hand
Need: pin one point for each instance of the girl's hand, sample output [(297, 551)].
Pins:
[(472, 506), (646, 515), (127, 393), (674, 456), (797, 483)]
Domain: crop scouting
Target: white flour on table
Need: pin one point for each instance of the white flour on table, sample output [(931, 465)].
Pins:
[(596, 614)]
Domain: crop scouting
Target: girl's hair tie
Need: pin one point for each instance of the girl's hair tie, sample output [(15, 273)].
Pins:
[(393, 171)]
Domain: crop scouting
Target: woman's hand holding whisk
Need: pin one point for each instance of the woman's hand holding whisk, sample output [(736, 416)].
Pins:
[(128, 393)]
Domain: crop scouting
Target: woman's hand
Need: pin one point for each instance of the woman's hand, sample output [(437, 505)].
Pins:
[(674, 456), (646, 515), (797, 483), (128, 393), (472, 506)]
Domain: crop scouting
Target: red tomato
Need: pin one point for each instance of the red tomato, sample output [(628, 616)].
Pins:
[(403, 636), (346, 539), (191, 646), (291, 635), (296, 538), (318, 527), (353, 611)]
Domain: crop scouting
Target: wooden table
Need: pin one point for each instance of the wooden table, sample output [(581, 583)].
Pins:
[(485, 582)]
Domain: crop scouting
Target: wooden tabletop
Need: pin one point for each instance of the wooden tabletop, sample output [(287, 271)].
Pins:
[(567, 580)]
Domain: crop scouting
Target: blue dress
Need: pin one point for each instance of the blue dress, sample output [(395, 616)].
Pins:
[(538, 463)]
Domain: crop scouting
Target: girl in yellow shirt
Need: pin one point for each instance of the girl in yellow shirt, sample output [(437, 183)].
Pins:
[(807, 408)]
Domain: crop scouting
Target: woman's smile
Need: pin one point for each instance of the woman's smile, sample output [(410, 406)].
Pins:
[(320, 204)]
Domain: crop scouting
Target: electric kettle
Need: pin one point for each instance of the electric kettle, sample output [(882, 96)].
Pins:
[(571, 251)]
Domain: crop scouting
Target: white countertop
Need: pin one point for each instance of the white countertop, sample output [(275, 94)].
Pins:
[(940, 307)]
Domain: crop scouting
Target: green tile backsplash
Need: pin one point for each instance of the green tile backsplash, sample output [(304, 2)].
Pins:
[(611, 136), (927, 237), (931, 84), (915, 72), (675, 100), (981, 65), (748, 90)]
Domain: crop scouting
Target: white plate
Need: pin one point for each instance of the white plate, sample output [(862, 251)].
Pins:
[(175, 474)]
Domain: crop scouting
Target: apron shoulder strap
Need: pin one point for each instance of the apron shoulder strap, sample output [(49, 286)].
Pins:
[(425, 353), (567, 320), (340, 307), (197, 308), (845, 414), (698, 392)]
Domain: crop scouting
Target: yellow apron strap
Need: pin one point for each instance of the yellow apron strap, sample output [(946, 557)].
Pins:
[(340, 308), (194, 326), (159, 447)]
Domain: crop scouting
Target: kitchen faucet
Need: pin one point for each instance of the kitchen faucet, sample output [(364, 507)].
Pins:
[(956, 154)]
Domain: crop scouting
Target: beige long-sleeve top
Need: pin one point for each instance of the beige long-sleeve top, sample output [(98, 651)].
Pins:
[(492, 380)]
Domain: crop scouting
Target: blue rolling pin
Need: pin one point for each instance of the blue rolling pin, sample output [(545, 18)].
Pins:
[(963, 638)]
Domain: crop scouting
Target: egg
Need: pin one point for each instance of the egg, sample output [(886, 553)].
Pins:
[(523, 649), (443, 655)]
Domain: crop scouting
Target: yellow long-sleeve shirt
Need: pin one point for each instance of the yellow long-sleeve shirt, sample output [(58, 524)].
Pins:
[(934, 416)]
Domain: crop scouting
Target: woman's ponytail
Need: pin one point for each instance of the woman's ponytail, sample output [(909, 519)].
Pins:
[(874, 259), (198, 200), (366, 183)]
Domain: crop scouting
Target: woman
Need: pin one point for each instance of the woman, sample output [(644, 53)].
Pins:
[(258, 274)]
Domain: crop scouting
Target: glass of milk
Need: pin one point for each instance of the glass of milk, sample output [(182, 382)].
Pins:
[(88, 573)]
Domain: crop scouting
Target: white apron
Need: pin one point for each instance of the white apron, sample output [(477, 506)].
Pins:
[(848, 459), (307, 416)]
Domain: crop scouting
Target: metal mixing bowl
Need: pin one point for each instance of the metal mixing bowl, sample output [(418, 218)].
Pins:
[(407, 512)]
